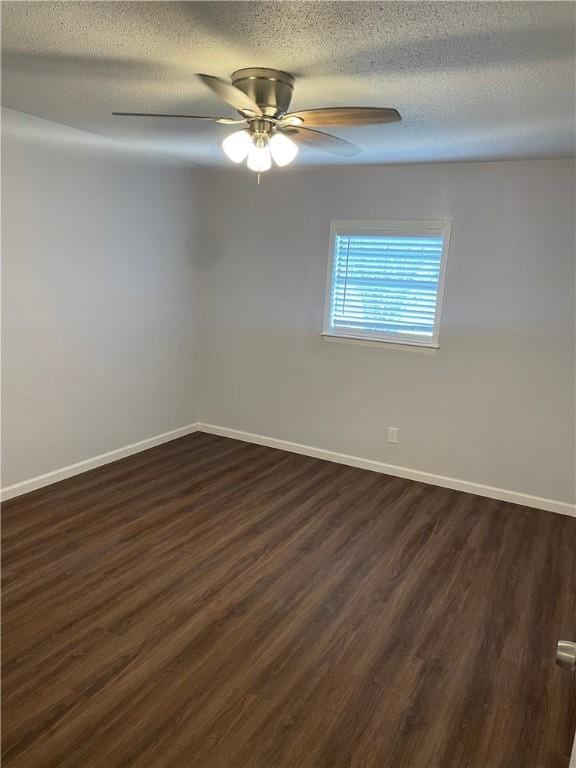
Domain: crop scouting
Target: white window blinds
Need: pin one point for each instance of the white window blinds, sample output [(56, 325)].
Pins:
[(385, 284)]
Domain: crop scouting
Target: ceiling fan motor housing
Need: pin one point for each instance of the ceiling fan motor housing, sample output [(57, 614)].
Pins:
[(271, 89)]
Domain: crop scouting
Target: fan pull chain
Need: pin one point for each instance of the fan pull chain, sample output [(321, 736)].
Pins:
[(258, 182)]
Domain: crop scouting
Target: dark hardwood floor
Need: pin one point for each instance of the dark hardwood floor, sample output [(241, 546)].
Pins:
[(215, 604)]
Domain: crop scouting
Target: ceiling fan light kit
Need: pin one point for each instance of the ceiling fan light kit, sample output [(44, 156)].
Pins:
[(262, 98), (258, 146)]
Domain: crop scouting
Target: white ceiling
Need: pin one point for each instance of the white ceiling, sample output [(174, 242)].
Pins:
[(483, 80)]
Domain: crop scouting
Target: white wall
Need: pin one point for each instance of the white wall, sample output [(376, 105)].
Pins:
[(139, 298), (494, 405), (99, 305)]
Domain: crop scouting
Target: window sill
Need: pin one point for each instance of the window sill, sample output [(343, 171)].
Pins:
[(427, 349)]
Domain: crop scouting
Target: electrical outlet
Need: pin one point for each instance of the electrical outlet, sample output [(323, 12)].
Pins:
[(392, 434)]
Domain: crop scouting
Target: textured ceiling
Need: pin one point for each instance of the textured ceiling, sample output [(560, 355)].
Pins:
[(484, 80)]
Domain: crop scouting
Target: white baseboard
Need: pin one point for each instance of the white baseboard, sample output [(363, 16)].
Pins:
[(97, 461), (455, 484)]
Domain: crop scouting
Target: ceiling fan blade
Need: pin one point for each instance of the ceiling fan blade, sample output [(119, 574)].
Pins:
[(341, 116), (231, 95), (320, 140), (221, 120)]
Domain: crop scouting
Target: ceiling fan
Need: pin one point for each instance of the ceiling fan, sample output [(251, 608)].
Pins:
[(262, 98)]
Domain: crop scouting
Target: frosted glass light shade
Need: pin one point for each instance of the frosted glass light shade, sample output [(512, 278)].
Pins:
[(259, 159), (283, 149), (237, 145)]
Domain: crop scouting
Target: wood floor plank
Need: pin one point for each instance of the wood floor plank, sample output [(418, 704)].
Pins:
[(218, 604)]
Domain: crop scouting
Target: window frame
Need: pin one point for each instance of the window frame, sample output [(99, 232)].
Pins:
[(388, 227)]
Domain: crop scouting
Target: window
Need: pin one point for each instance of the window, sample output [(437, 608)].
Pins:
[(385, 281)]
